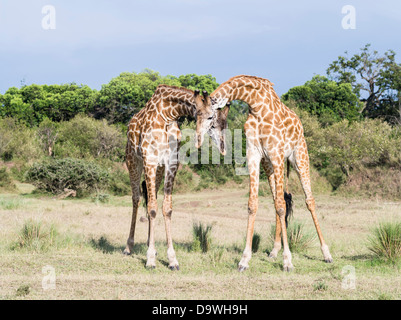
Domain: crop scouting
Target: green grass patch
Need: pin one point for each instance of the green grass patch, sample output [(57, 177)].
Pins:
[(11, 203), (36, 236)]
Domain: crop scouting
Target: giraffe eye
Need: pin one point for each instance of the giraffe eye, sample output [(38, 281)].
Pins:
[(210, 118)]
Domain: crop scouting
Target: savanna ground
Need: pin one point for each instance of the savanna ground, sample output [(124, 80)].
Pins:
[(88, 261)]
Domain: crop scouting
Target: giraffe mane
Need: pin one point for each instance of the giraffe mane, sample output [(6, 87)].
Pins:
[(171, 88), (262, 80)]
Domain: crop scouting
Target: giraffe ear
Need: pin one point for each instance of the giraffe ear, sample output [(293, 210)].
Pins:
[(220, 104), (226, 109)]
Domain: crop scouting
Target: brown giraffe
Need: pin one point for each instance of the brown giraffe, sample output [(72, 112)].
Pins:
[(274, 133), (153, 145)]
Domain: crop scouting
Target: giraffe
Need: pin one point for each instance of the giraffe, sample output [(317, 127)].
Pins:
[(152, 147), (274, 134)]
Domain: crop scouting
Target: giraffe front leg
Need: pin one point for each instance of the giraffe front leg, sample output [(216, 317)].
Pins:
[(254, 166), (277, 240), (167, 212), (150, 176)]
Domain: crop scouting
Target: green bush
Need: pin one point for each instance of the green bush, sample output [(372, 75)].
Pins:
[(119, 182), (377, 182), (85, 137), (6, 182), (184, 180), (18, 141), (55, 175)]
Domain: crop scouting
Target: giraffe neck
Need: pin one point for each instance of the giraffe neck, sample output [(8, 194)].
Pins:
[(256, 92), (176, 103)]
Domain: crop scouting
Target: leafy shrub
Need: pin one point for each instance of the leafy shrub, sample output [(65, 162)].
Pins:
[(184, 180), (55, 175), (377, 182), (6, 182), (17, 141), (386, 241), (85, 137)]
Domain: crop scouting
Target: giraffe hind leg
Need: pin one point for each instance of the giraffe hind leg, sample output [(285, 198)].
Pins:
[(135, 171), (267, 166), (302, 167)]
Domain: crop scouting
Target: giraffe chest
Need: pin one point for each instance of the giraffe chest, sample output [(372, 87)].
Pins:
[(159, 144)]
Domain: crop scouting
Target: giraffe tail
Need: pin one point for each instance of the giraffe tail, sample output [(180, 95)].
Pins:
[(288, 199), (145, 193)]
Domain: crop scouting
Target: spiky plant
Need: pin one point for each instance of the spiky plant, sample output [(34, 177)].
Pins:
[(385, 242), (201, 236), (299, 238)]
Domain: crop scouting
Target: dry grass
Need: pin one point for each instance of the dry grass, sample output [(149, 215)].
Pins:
[(93, 267)]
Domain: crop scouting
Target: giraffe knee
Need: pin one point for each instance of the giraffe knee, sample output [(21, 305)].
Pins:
[(310, 203), (280, 208), (252, 207), (152, 214)]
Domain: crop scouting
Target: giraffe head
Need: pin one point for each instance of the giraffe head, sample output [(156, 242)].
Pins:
[(217, 130), (210, 119), (204, 116)]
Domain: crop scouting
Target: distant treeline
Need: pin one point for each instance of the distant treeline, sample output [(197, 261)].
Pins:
[(116, 101), (351, 118)]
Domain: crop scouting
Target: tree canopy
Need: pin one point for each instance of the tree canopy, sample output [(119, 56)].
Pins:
[(329, 100), (374, 78), (116, 102)]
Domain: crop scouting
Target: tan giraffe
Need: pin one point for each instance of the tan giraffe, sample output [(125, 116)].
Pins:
[(152, 147), (274, 133)]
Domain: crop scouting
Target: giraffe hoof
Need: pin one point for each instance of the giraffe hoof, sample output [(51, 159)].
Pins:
[(174, 268), (288, 268), (273, 256), (242, 268), (150, 267), (126, 253), (328, 260)]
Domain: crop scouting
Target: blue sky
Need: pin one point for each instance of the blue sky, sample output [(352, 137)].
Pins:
[(285, 41)]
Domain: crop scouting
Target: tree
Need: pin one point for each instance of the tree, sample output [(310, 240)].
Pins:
[(47, 135), (127, 94), (31, 104), (195, 82), (366, 71), (330, 101), (391, 104)]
